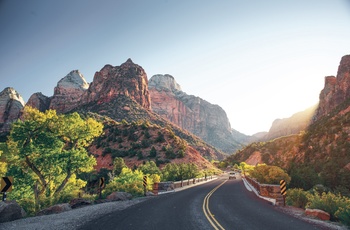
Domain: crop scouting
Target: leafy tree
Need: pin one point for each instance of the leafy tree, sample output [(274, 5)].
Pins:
[(182, 171), (267, 174), (128, 181), (149, 168), (3, 166), (47, 150), (118, 165)]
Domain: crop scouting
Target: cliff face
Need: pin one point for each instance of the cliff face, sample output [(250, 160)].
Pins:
[(336, 89), (321, 154), (292, 125), (11, 104), (39, 101), (127, 79), (68, 92), (191, 113)]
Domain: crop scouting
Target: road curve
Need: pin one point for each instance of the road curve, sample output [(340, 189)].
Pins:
[(231, 205)]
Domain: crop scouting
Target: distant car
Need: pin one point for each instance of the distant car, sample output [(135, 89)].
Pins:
[(232, 175)]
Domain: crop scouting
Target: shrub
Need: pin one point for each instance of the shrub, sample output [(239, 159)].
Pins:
[(153, 152), (128, 181), (297, 197), (329, 202), (343, 214), (181, 154), (160, 138)]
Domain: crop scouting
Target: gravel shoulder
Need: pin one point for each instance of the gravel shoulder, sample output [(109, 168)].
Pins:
[(70, 220)]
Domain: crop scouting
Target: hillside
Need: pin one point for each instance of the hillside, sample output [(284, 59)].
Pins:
[(117, 93), (194, 114), (141, 141), (321, 154)]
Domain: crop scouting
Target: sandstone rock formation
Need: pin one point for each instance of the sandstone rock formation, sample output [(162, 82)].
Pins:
[(39, 101), (192, 113), (292, 125), (11, 104), (127, 79), (336, 89), (68, 92), (320, 214)]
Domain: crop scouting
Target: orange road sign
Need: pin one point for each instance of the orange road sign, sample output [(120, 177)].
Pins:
[(6, 184)]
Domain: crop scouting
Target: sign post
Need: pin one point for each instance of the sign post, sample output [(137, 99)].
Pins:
[(145, 184), (101, 186), (6, 186), (283, 191)]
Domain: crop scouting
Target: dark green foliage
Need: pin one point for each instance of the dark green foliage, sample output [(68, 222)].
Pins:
[(169, 152), (145, 143), (139, 155), (160, 137), (147, 134), (153, 152), (181, 154)]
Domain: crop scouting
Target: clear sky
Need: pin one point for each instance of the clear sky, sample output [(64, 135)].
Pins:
[(258, 59)]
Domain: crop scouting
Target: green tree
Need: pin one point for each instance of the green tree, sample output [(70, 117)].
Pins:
[(47, 150), (267, 174), (118, 165), (3, 166), (153, 152), (149, 168), (128, 181)]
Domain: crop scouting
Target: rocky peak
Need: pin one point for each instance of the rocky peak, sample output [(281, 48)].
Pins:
[(164, 82), (39, 101), (128, 79), (336, 89), (73, 80), (11, 104), (191, 113), (68, 92)]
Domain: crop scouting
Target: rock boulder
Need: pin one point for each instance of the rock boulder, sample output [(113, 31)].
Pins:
[(55, 209), (116, 196), (10, 210), (320, 214)]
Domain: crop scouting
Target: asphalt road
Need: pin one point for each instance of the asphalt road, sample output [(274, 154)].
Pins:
[(231, 204)]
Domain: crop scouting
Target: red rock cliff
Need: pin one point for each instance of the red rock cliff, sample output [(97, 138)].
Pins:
[(127, 79), (192, 113), (336, 89)]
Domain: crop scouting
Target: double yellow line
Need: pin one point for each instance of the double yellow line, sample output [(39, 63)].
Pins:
[(216, 225)]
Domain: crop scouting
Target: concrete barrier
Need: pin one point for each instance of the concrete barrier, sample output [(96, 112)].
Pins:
[(266, 190)]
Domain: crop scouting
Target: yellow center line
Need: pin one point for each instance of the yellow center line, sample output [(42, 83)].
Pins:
[(216, 225)]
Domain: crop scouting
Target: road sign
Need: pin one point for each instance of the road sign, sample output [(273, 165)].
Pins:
[(144, 181), (6, 184), (144, 185), (102, 182), (283, 187)]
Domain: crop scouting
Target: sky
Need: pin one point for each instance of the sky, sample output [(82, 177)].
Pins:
[(258, 60)]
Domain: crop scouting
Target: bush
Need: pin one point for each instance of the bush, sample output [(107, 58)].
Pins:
[(330, 203), (297, 197), (343, 214), (128, 181)]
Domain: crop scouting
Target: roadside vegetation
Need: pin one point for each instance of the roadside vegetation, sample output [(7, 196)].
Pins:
[(318, 197), (47, 155), (336, 205)]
